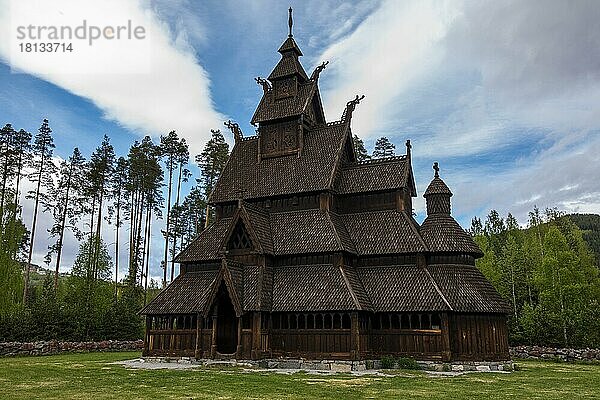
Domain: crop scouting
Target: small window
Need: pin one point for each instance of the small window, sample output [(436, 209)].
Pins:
[(435, 321), (301, 321), (319, 321), (405, 321), (310, 321), (415, 321), (346, 321), (327, 323)]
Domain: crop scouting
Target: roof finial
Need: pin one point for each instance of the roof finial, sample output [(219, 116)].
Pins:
[(290, 22), (436, 168)]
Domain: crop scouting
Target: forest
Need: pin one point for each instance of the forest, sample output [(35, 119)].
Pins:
[(547, 271)]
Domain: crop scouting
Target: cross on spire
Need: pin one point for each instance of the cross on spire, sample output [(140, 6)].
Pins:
[(290, 22), (436, 168)]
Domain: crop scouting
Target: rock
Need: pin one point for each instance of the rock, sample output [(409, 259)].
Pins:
[(483, 368), (339, 367)]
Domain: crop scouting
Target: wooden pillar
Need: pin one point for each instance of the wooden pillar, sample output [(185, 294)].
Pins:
[(147, 336), (446, 352), (198, 350), (256, 335), (238, 351), (354, 336), (213, 342)]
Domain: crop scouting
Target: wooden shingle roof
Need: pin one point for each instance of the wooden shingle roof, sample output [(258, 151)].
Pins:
[(401, 288), (466, 289), (314, 288), (437, 186), (374, 175), (207, 246), (187, 294), (270, 108), (244, 176), (442, 233), (383, 232), (308, 231)]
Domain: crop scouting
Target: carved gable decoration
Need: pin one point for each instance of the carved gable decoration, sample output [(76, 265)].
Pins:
[(286, 88), (239, 239), (280, 139)]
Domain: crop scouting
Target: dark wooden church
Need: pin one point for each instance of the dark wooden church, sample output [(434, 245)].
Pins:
[(315, 254)]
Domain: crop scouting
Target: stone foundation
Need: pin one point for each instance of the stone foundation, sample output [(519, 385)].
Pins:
[(339, 365), (43, 348), (555, 354)]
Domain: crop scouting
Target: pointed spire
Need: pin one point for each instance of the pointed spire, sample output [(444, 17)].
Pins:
[(290, 22)]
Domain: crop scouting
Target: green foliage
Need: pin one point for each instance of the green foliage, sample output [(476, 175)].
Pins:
[(387, 362), (407, 363), (383, 148), (546, 273), (359, 149)]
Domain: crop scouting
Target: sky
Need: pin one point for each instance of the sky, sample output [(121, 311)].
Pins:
[(504, 95)]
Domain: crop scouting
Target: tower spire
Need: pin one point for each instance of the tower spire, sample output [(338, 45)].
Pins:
[(290, 22)]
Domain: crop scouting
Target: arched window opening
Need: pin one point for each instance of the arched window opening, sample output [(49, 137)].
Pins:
[(436, 323), (415, 323), (385, 321), (395, 321), (337, 321), (346, 321), (310, 321), (405, 321), (319, 321), (301, 321), (327, 323)]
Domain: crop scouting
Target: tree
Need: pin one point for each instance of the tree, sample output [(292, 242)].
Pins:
[(383, 148), (145, 178), (99, 171), (22, 147), (7, 165), (359, 149), (211, 162), (183, 176), (175, 154), (88, 291), (119, 185), (43, 172), (65, 203)]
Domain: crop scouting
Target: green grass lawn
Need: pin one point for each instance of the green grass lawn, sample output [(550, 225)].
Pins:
[(91, 376)]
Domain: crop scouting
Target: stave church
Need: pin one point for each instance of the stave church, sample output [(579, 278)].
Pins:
[(315, 254)]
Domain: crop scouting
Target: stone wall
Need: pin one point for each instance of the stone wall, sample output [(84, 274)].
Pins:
[(554, 353), (43, 348)]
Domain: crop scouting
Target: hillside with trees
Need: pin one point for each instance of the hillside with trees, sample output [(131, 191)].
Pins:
[(547, 273)]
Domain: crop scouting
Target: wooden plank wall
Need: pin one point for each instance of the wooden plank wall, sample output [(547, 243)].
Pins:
[(478, 337)]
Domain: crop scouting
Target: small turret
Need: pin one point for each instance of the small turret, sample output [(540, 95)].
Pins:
[(437, 194)]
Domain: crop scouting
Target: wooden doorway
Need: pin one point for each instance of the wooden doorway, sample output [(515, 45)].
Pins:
[(227, 323)]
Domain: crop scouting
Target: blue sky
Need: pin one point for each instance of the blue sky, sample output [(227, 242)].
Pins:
[(503, 94)]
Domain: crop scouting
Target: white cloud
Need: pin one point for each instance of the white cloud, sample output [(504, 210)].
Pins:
[(150, 86), (514, 80)]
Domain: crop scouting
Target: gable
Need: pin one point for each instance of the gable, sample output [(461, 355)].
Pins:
[(239, 238)]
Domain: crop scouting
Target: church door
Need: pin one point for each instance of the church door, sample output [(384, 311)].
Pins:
[(227, 337)]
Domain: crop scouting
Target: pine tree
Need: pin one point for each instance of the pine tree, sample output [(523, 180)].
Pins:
[(360, 150), (118, 193), (7, 166), (183, 176), (99, 172), (43, 172), (145, 178), (65, 203), (383, 148), (211, 162), (22, 147)]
